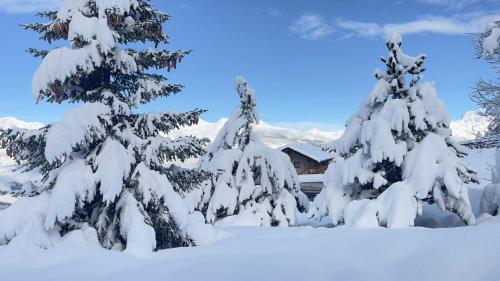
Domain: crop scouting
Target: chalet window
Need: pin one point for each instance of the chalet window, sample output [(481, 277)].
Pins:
[(296, 165)]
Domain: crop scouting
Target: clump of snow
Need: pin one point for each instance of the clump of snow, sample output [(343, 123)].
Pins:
[(490, 201), (491, 43), (140, 236), (61, 63), (76, 126), (74, 186), (90, 29), (112, 166)]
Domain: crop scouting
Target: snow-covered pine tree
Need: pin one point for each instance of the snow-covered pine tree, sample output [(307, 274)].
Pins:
[(253, 184), (397, 153), (104, 165), (487, 95)]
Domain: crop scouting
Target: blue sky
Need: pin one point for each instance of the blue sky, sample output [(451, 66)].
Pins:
[(310, 62)]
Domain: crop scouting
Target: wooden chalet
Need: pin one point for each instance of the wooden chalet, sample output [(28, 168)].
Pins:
[(311, 162)]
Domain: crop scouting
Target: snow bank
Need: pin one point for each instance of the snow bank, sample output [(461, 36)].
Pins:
[(301, 253)]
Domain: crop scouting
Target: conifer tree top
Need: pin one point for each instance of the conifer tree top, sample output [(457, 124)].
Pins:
[(247, 100), (97, 32)]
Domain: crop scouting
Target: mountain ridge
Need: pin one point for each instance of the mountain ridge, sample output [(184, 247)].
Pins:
[(465, 128)]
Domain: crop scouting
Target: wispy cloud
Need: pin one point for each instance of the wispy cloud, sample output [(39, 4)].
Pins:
[(458, 24), (28, 6), (311, 26), (274, 12), (456, 4)]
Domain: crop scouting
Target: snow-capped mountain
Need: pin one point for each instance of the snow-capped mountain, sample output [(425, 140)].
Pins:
[(12, 122), (275, 136), (469, 126), (271, 135)]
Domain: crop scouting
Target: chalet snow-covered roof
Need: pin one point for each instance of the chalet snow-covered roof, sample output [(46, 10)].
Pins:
[(309, 150)]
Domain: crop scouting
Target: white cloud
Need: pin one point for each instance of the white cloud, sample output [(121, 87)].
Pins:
[(448, 2), (454, 4), (458, 24), (274, 12), (28, 6), (311, 27)]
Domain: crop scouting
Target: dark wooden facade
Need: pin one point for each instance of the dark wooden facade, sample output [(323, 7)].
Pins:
[(305, 165)]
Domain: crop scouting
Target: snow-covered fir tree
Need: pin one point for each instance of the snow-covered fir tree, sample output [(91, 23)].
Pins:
[(253, 184), (487, 95), (106, 168), (397, 152)]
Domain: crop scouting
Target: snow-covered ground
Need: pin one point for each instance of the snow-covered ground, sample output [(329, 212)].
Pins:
[(9, 179), (295, 253)]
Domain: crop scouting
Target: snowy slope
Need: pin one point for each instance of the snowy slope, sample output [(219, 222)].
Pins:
[(12, 122), (273, 136), (298, 253), (276, 136), (10, 179), (469, 125)]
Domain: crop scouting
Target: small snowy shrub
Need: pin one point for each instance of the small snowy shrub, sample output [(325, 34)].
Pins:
[(105, 165), (397, 153), (490, 200), (253, 184)]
